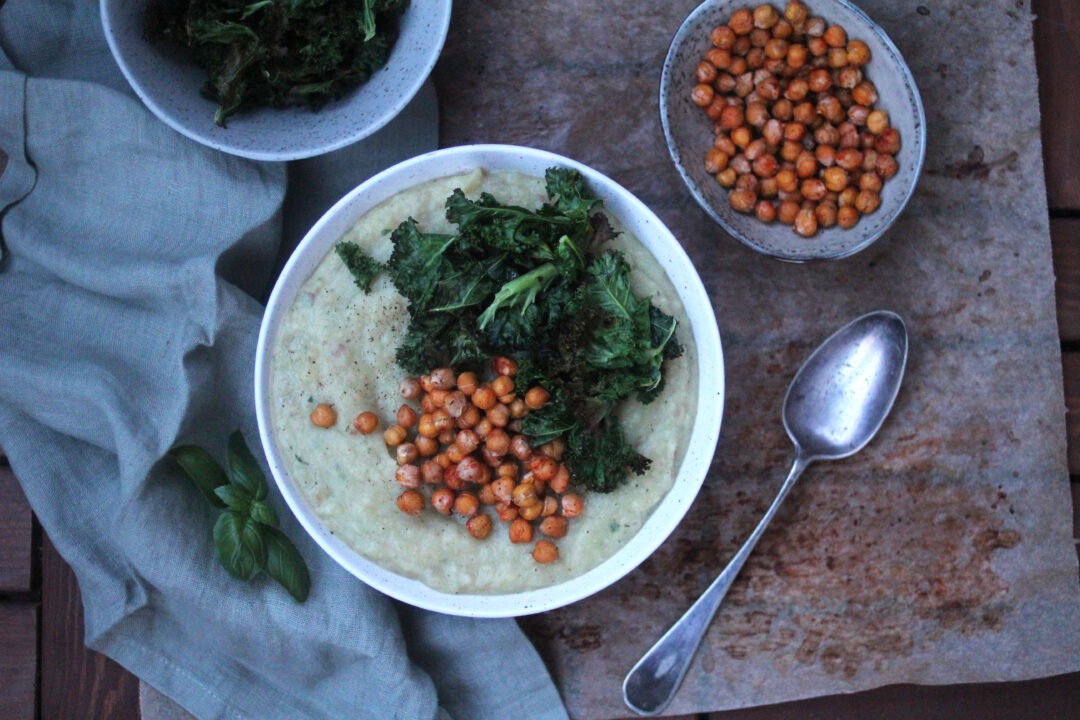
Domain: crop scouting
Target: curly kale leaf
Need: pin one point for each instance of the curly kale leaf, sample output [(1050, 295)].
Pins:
[(364, 269)]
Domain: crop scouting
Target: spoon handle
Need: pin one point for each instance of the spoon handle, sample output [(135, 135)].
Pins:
[(652, 682)]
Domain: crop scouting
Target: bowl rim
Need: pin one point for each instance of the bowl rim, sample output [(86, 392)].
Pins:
[(704, 432), (299, 153), (921, 139)]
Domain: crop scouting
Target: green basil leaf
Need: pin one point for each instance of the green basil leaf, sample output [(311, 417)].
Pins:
[(236, 498), (203, 469), (243, 469), (263, 513), (239, 544), (285, 564)]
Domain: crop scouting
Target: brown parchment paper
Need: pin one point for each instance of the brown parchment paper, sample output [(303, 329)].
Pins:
[(943, 552)]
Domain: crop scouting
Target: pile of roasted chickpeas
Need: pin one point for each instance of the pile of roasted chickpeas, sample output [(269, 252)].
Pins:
[(797, 137), (463, 444)]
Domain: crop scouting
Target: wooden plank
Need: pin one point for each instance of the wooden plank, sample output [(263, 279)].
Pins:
[(1070, 362), (1055, 697), (1065, 240), (18, 661), (1057, 47), (76, 682), (16, 536)]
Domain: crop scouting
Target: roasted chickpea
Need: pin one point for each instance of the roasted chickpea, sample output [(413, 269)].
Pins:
[(848, 77), (787, 212), (408, 476), (836, 179), (748, 182), (519, 446), (467, 440), (725, 83), (442, 500), (506, 511), (867, 202), (806, 223), (536, 398), (498, 441), (702, 94), (406, 416), (470, 418), (443, 461), (820, 80), (886, 166), (410, 389), (722, 37), (742, 200), (794, 131), (395, 435), (524, 494), (455, 453), (431, 473), (870, 181), (825, 155), (815, 26), (765, 16), (499, 415), (806, 165), (804, 113), (503, 487), (766, 166), (741, 22), (572, 505), (787, 180), (738, 69), (757, 115), (425, 383), (835, 36), (797, 90), (492, 459), (531, 512), (705, 72), (479, 526), (858, 53), (825, 213), (797, 56), (323, 416), (849, 158), (486, 494), (466, 504), (484, 397), (830, 108), (442, 420), (554, 526), (741, 136), (366, 423), (443, 378), (888, 142), (776, 49), (812, 189), (847, 197), (727, 177), (765, 211), (427, 447), (438, 397), (795, 12), (817, 48), (410, 502), (521, 531), (877, 121), (446, 437), (466, 382), (782, 110), (550, 506), (472, 470), (455, 403), (426, 405), (865, 93), (715, 161), (554, 449), (858, 114), (782, 29), (847, 217)]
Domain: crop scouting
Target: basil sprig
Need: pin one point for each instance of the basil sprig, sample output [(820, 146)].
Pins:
[(246, 535)]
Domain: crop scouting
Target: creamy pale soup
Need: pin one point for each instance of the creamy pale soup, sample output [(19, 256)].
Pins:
[(336, 345)]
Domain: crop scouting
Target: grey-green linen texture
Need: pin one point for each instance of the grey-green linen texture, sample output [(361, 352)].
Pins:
[(126, 326)]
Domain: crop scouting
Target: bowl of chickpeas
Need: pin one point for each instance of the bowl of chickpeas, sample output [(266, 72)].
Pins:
[(797, 126)]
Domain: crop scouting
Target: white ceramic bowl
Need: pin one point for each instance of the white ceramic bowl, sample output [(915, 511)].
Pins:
[(640, 221), (168, 83), (689, 132)]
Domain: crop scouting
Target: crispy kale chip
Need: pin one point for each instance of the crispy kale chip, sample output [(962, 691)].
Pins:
[(363, 268), (537, 285), (279, 52)]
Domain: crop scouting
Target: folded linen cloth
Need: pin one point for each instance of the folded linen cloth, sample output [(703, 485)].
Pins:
[(127, 325)]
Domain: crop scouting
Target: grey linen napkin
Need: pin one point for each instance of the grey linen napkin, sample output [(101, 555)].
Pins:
[(127, 326)]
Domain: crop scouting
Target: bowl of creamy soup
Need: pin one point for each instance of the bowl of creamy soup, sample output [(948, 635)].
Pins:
[(345, 403)]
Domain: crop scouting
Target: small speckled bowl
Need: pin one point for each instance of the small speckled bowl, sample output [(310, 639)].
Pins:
[(689, 132), (639, 221), (168, 83)]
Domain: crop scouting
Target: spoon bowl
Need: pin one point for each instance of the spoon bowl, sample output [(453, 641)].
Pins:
[(843, 392), (836, 403)]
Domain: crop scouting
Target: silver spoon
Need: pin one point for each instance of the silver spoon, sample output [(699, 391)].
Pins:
[(834, 406)]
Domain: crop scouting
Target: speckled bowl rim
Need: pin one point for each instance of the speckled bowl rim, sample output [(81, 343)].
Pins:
[(909, 80), (299, 153), (670, 256)]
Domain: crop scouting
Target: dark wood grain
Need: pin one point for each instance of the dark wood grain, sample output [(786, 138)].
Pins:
[(1057, 51), (76, 682), (1071, 366), (1055, 697), (1065, 239), (16, 535), (18, 661)]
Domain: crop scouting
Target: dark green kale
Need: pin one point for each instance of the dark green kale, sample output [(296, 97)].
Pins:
[(279, 52), (536, 285), (363, 267)]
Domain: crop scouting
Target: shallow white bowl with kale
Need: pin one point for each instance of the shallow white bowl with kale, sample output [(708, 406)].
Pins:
[(559, 365), (273, 80)]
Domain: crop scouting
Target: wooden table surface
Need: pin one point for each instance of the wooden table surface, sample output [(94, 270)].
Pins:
[(47, 673)]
